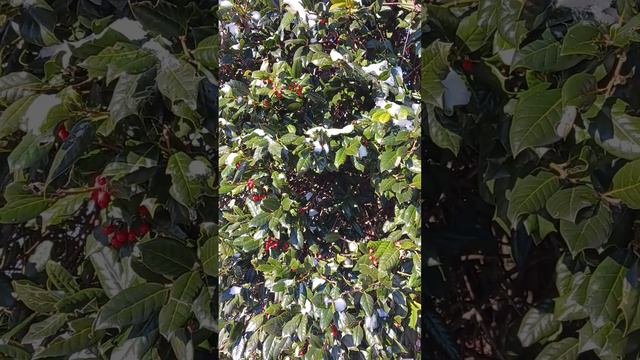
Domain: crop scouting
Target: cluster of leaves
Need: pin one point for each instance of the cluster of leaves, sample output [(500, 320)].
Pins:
[(320, 179), (550, 89), (108, 137)]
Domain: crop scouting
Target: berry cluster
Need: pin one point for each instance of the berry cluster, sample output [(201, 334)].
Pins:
[(258, 197), (121, 234), (372, 257), (297, 87), (101, 195), (272, 243)]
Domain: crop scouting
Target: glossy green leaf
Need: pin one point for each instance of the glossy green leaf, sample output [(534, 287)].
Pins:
[(28, 152), (179, 83), (535, 326), (16, 85), (66, 346), (626, 185), (186, 186), (131, 306), (590, 233), (63, 209), (604, 292), (618, 133), (470, 33), (117, 59), (23, 209), (566, 203), (167, 257), (113, 274), (45, 328), (530, 194), (442, 136), (565, 349), (61, 278), (209, 256), (539, 119), (35, 298), (177, 311), (12, 116), (544, 55), (581, 39)]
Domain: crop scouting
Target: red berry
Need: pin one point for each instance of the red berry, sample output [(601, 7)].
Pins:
[(265, 103), (255, 198), (237, 165), (120, 237), (108, 230), (334, 330), (301, 211), (299, 91), (131, 236), (116, 244), (371, 251), (143, 211), (285, 246), (100, 181), (323, 21), (63, 134), (101, 198), (467, 65), (142, 229), (371, 257), (250, 184), (375, 263)]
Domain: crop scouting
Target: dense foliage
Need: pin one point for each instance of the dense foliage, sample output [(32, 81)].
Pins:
[(320, 179), (534, 138), (108, 150)]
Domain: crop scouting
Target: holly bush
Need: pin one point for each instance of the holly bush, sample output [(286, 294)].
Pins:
[(535, 103), (320, 179), (108, 149)]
